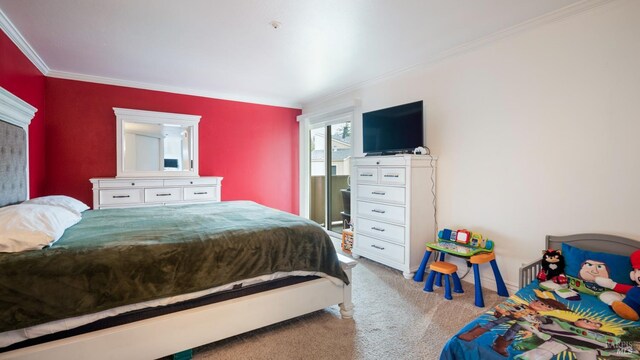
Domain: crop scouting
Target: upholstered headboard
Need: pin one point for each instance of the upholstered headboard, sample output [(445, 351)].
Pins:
[(15, 117), (13, 164), (595, 242)]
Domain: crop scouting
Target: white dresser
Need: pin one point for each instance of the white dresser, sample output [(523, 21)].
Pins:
[(392, 206), (135, 192)]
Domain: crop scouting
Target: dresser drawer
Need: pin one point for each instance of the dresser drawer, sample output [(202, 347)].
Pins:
[(392, 176), (161, 195), (187, 182), (392, 233), (201, 193), (380, 211), (129, 183), (121, 196), (367, 175), (381, 193), (382, 248), (382, 161)]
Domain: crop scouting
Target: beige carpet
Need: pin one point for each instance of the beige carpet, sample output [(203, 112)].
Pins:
[(394, 319)]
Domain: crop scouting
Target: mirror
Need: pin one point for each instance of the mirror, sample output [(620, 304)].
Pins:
[(152, 143)]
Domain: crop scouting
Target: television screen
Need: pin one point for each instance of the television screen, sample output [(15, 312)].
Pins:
[(393, 130), (171, 163)]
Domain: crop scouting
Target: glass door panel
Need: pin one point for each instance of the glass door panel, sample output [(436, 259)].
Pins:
[(317, 184), (340, 167)]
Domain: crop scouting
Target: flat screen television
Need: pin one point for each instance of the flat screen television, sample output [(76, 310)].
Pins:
[(394, 130)]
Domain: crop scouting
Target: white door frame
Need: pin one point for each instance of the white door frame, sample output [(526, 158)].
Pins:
[(332, 115)]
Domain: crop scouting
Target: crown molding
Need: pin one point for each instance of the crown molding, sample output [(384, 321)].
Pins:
[(12, 32), (15, 110), (174, 89), (548, 18)]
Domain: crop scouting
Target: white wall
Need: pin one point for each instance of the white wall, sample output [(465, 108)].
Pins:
[(536, 134)]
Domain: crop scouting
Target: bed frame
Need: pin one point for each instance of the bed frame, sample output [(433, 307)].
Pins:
[(593, 242), (179, 331), (173, 333)]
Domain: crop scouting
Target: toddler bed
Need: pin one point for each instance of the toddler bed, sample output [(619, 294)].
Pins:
[(537, 324)]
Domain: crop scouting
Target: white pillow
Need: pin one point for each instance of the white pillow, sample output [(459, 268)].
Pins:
[(32, 226), (69, 203)]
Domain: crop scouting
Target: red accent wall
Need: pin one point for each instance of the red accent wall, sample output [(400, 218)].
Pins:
[(19, 76), (254, 147)]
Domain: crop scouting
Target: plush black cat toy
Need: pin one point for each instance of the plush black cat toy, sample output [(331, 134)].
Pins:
[(552, 267)]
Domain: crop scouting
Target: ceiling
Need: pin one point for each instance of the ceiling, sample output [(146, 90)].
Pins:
[(228, 49)]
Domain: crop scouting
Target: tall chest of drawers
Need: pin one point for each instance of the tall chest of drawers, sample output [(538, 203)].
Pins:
[(136, 192), (393, 206)]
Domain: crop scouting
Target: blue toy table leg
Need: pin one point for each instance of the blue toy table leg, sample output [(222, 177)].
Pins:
[(457, 286), (419, 276), (439, 275), (478, 286), (502, 288), (428, 285), (447, 288)]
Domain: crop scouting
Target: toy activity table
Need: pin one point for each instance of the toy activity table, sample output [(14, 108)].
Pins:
[(474, 255)]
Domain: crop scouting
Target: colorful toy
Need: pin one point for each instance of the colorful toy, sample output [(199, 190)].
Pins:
[(466, 237), (463, 236), (629, 307), (448, 241), (476, 239), (552, 267)]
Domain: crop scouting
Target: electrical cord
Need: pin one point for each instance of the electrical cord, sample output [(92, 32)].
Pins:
[(433, 190), (434, 201), (435, 207)]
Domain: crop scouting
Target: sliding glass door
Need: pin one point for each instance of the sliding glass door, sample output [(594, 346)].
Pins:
[(330, 166)]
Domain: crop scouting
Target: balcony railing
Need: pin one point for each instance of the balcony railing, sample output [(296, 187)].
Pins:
[(317, 202)]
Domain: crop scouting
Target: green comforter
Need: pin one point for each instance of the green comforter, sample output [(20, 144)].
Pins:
[(122, 256)]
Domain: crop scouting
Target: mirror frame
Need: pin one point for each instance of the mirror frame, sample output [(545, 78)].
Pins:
[(154, 117)]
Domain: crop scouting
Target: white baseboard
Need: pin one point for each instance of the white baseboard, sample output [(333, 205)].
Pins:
[(488, 282), (486, 276)]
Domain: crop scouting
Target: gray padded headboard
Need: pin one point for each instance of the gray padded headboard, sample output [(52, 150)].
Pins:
[(596, 242), (13, 164)]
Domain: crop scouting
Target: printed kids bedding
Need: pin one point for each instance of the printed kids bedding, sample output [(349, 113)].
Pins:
[(536, 324)]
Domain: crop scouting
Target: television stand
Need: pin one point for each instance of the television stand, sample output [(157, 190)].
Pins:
[(392, 209)]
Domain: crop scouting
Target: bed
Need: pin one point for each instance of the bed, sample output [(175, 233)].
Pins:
[(272, 266), (538, 324)]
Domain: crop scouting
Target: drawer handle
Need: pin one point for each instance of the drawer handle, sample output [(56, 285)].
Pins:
[(121, 196), (377, 247), (163, 194), (378, 192), (366, 174), (378, 211), (392, 175), (200, 193), (377, 229)]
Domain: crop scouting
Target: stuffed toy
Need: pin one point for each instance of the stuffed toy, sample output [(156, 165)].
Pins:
[(629, 307), (552, 267)]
